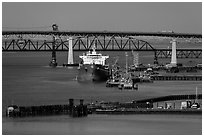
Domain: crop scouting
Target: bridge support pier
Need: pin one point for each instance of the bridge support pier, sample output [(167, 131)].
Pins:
[(173, 53), (70, 52), (70, 56), (155, 58), (53, 62)]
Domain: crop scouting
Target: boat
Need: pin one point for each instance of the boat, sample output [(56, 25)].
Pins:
[(196, 105), (93, 67), (121, 79)]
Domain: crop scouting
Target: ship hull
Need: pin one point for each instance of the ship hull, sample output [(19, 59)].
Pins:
[(92, 73)]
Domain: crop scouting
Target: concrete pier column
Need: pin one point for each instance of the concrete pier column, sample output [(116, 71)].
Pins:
[(70, 52), (155, 59), (81, 102), (173, 53)]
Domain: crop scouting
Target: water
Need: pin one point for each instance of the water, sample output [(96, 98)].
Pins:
[(105, 124), (27, 80)]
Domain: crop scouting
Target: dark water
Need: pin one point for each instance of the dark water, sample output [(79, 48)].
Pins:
[(27, 80)]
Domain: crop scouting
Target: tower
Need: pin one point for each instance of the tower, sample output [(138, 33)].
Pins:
[(173, 53), (70, 52)]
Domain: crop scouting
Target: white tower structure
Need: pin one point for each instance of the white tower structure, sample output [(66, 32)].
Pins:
[(173, 53), (70, 52)]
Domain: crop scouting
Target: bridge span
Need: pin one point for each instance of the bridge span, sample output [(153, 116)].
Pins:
[(103, 40)]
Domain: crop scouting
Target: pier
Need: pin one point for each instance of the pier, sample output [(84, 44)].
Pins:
[(149, 111), (177, 78), (46, 110), (145, 106), (170, 97), (172, 104)]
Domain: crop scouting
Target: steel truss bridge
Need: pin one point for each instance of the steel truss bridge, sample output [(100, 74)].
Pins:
[(83, 41)]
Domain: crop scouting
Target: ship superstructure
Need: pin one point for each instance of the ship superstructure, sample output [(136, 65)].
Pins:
[(93, 57)]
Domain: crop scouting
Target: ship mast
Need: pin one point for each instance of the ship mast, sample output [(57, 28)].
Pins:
[(94, 47), (196, 100), (135, 58), (126, 55)]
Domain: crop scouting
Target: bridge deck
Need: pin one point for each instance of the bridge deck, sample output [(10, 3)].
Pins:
[(106, 33)]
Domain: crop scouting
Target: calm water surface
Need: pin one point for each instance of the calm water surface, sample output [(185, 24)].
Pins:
[(106, 124)]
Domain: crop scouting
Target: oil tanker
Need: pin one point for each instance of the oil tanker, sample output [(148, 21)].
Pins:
[(93, 67)]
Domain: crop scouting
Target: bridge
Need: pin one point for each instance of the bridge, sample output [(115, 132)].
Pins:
[(103, 33), (103, 40)]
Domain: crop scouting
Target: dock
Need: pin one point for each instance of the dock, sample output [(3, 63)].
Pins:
[(178, 78), (70, 109), (172, 104), (170, 97), (149, 111)]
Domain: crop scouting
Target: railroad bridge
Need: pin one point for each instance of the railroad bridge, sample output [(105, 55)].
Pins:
[(103, 40)]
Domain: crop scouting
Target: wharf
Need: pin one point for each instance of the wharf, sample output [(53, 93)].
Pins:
[(172, 104), (150, 111), (169, 97), (178, 77)]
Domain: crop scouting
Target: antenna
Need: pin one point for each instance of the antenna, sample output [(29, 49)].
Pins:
[(94, 47), (196, 100), (126, 55)]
